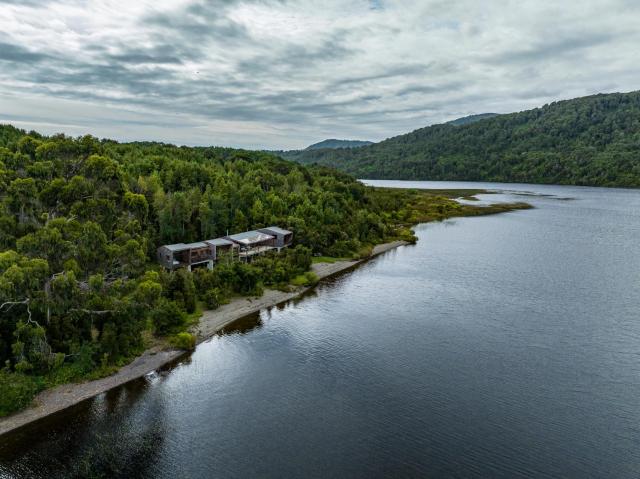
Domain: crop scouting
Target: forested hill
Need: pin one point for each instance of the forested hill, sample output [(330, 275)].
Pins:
[(332, 143), (467, 120), (593, 140), (295, 155)]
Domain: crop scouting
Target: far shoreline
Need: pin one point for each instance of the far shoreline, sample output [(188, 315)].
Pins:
[(59, 398)]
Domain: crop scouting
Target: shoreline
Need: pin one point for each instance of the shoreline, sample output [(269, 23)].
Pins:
[(59, 398)]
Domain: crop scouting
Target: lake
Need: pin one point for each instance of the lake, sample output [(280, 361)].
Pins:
[(499, 346)]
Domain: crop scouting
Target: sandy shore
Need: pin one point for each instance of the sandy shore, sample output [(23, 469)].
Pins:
[(213, 321), (56, 399)]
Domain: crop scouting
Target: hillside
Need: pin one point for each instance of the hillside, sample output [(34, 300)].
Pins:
[(333, 143), (593, 140), (467, 120)]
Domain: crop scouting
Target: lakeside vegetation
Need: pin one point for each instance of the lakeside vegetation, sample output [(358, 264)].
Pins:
[(592, 140), (81, 293)]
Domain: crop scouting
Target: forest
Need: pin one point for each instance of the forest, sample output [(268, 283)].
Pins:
[(591, 140), (81, 219)]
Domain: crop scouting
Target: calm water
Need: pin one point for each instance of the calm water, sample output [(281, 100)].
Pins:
[(503, 346)]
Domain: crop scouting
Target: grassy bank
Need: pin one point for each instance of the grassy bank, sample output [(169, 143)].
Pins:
[(409, 207)]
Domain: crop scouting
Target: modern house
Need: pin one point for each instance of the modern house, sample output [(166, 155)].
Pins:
[(284, 237), (252, 243), (221, 247), (181, 255), (243, 246)]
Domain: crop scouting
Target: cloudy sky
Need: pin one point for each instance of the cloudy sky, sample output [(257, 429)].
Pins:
[(286, 73)]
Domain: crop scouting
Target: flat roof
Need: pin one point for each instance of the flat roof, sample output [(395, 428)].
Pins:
[(175, 247), (277, 230), (198, 244), (219, 242), (249, 237), (183, 246)]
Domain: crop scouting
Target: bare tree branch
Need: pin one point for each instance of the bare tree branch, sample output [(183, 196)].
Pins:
[(25, 302)]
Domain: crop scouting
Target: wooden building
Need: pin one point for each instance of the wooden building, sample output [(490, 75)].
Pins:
[(252, 243), (181, 255), (221, 247), (242, 246), (284, 237)]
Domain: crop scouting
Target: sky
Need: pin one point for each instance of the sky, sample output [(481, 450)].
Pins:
[(282, 74)]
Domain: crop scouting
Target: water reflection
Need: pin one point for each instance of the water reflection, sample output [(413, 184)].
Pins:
[(113, 435), (243, 326)]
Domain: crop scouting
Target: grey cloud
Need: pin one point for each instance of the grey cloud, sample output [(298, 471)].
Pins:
[(197, 23), (293, 58), (391, 72), (552, 47), (429, 89), (366, 76), (16, 53), (140, 57)]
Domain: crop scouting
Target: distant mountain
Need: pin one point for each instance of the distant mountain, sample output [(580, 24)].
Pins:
[(467, 120), (332, 143), (326, 145), (593, 140)]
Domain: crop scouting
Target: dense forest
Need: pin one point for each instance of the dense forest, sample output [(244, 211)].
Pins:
[(80, 221), (593, 140)]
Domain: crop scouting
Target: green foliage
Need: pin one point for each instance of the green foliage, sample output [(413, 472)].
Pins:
[(280, 268), (81, 367), (327, 259), (182, 290), (306, 279), (16, 391), (167, 317), (184, 341), (586, 141), (213, 298)]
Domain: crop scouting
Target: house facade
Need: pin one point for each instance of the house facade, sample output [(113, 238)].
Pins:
[(240, 246), (181, 255), (253, 243), (283, 237)]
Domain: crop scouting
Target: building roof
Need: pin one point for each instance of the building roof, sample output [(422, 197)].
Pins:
[(198, 244), (183, 246), (277, 230), (219, 242), (250, 237), (175, 247)]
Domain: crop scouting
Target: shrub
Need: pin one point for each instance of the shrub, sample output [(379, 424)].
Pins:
[(307, 279), (182, 289), (76, 370), (167, 317), (407, 234), (213, 298), (311, 278), (16, 391), (185, 341)]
